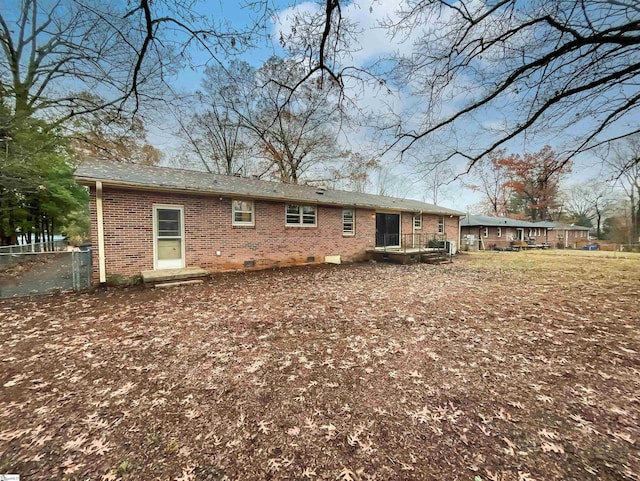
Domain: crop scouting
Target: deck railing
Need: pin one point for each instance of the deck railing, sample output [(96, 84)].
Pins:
[(414, 242)]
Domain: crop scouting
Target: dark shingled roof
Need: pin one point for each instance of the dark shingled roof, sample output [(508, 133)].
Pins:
[(560, 226), (164, 178), (488, 221)]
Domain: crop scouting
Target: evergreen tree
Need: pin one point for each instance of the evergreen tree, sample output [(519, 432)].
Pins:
[(38, 195)]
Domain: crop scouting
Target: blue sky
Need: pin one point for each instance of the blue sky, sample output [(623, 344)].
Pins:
[(370, 44), (373, 42)]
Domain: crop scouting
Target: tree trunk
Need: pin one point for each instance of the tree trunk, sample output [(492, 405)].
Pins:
[(36, 225), (636, 225), (633, 232)]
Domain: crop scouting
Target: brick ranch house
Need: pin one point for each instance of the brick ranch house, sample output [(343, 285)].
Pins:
[(146, 218), (564, 236), (486, 232)]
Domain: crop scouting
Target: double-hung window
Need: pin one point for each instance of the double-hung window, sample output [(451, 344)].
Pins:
[(348, 222), (417, 221), (300, 215), (243, 213), (441, 225), (499, 231)]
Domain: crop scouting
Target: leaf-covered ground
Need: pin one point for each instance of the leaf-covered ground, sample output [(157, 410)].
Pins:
[(506, 366)]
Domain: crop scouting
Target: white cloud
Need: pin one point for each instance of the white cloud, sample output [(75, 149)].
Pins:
[(388, 103), (372, 40)]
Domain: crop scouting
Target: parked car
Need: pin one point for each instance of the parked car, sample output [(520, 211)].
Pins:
[(591, 247)]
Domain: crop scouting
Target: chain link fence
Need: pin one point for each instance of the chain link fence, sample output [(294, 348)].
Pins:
[(41, 268)]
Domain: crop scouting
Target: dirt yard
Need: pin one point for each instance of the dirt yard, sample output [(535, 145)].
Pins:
[(500, 366)]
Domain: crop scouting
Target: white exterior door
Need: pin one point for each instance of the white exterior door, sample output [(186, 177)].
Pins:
[(168, 236)]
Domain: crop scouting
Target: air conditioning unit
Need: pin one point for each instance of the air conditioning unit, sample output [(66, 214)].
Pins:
[(452, 248)]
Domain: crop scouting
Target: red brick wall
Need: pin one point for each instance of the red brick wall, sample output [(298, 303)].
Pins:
[(430, 225), (128, 230), (568, 238), (128, 227)]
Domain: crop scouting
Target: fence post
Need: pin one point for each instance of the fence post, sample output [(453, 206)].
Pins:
[(81, 273), (75, 270), (81, 267)]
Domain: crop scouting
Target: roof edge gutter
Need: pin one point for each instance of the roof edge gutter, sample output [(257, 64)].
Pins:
[(90, 181)]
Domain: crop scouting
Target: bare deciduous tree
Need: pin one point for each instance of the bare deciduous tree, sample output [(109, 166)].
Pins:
[(435, 181), (625, 164), (587, 202), (53, 51), (292, 134), (215, 137), (109, 135), (493, 176), (547, 66), (388, 183), (354, 173)]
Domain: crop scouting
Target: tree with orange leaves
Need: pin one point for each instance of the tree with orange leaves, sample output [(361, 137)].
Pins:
[(535, 182), (525, 187)]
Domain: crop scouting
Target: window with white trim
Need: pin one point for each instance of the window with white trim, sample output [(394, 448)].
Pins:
[(485, 232), (499, 231), (348, 222), (417, 221), (243, 213), (441, 225), (300, 215)]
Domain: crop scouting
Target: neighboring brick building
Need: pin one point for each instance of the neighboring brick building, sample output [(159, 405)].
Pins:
[(565, 236), (486, 232), (154, 218)]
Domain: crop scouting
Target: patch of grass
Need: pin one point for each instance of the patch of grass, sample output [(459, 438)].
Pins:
[(155, 439), (125, 467), (558, 262), (172, 447)]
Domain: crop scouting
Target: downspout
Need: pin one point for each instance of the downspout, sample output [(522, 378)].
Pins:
[(100, 220)]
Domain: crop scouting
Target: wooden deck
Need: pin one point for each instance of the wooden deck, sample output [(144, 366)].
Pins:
[(173, 275)]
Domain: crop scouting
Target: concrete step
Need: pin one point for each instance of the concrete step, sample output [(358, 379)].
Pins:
[(171, 275), (178, 283), (435, 258)]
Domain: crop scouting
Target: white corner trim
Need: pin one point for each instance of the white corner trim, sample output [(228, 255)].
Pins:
[(100, 221)]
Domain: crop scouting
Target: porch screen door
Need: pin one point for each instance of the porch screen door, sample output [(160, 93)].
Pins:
[(169, 230)]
